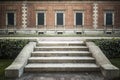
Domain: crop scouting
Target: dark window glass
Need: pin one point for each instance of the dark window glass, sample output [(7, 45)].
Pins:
[(10, 18), (40, 18), (79, 17), (109, 18), (59, 18)]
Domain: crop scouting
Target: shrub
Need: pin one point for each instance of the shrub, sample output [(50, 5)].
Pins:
[(110, 47), (9, 49)]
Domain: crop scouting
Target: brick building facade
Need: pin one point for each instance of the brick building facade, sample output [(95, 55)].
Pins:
[(59, 16)]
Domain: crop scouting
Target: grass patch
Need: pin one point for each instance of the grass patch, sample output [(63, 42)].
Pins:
[(116, 62), (3, 64)]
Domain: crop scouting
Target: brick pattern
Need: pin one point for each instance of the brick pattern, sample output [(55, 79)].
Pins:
[(50, 9), (31, 15), (6, 7), (108, 6), (26, 13)]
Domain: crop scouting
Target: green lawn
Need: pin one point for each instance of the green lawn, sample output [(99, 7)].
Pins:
[(3, 64), (116, 62)]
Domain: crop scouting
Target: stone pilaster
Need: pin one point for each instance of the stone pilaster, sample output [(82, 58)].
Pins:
[(95, 15), (24, 15)]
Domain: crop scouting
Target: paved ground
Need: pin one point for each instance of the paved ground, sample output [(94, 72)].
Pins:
[(62, 76)]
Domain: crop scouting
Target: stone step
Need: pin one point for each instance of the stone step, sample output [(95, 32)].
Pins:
[(61, 43), (60, 39), (61, 60), (41, 67), (61, 48), (60, 53)]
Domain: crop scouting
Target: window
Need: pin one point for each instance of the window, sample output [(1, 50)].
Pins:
[(78, 18), (109, 18), (10, 19), (59, 18), (40, 18)]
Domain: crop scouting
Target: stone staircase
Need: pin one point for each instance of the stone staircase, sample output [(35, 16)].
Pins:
[(61, 56)]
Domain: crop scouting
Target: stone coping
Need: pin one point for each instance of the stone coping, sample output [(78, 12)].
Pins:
[(108, 70), (57, 38), (16, 69)]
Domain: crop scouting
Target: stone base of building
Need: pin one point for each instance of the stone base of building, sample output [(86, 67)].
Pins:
[(52, 32)]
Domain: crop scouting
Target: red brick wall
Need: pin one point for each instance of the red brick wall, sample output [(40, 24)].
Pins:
[(109, 6), (117, 16), (50, 13), (68, 10), (4, 7), (31, 16)]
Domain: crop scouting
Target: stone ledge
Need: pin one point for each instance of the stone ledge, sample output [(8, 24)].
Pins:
[(108, 70), (16, 69)]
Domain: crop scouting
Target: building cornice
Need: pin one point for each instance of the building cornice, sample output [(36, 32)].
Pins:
[(62, 1), (59, 0)]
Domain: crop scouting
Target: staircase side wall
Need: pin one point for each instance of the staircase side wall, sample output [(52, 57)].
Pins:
[(108, 70), (16, 69)]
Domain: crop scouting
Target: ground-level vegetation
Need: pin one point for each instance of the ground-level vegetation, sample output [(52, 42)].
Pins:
[(110, 47), (9, 49), (3, 64)]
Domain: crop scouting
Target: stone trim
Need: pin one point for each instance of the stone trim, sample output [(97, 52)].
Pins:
[(40, 11), (7, 17), (108, 70), (109, 11), (81, 11), (16, 69), (24, 15), (95, 15), (57, 2), (56, 17)]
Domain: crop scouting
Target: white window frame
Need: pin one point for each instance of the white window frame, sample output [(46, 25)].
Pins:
[(37, 18), (112, 17), (7, 17), (63, 17), (82, 17)]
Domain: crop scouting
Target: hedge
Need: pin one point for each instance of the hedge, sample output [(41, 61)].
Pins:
[(9, 49), (110, 47)]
